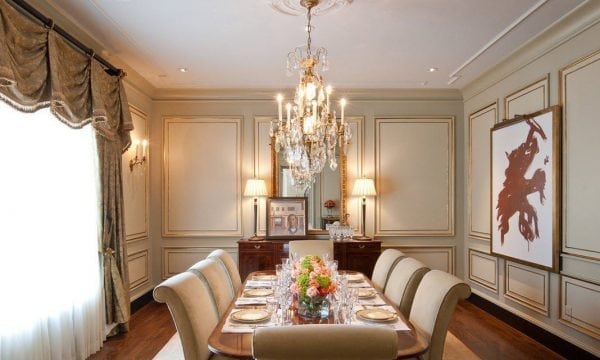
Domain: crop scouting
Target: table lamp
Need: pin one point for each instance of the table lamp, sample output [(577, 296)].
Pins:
[(255, 188), (363, 187)]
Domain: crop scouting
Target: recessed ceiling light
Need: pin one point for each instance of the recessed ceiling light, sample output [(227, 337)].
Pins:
[(433, 69), (183, 69)]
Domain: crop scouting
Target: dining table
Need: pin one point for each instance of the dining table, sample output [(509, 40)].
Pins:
[(234, 340)]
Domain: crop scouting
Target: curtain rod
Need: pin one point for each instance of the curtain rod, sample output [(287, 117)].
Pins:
[(112, 70)]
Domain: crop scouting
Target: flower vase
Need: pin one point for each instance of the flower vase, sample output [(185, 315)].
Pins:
[(313, 308)]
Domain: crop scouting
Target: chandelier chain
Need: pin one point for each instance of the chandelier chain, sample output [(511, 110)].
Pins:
[(309, 30)]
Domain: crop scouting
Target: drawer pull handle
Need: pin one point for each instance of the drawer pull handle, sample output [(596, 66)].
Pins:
[(257, 246), (361, 246)]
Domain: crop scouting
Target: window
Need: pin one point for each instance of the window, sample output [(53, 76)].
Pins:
[(51, 300)]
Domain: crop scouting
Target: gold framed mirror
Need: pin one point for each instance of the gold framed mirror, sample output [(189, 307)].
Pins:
[(322, 190)]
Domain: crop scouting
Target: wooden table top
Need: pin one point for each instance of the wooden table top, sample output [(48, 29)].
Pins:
[(239, 345)]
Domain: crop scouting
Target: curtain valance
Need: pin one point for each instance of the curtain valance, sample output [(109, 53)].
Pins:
[(39, 68)]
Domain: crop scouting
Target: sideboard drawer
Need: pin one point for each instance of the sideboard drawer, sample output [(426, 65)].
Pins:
[(363, 246), (256, 246)]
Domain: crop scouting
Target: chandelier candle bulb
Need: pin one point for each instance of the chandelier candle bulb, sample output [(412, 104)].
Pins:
[(343, 105), (288, 108), (279, 101), (328, 92)]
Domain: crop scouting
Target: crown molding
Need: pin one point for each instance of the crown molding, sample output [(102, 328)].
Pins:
[(574, 23), (270, 94)]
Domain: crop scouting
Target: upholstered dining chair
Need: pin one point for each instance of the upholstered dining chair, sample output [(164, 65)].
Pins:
[(311, 247), (320, 341), (217, 279), (227, 261), (189, 301), (433, 306), (403, 282), (385, 263)]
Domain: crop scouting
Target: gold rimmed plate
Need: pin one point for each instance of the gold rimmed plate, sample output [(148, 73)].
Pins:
[(257, 292), (264, 277), (366, 293), (376, 315), (250, 316)]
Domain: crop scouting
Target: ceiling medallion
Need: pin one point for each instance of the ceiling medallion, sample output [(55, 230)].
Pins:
[(298, 7)]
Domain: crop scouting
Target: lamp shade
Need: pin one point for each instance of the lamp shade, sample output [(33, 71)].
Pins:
[(364, 187), (255, 188)]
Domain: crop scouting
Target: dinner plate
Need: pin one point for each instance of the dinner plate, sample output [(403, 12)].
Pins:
[(354, 277), (264, 277), (377, 315), (250, 315), (366, 293), (257, 292)]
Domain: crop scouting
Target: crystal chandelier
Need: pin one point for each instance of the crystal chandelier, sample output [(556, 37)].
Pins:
[(310, 134)]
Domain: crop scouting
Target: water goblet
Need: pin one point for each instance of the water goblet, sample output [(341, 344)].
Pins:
[(272, 306)]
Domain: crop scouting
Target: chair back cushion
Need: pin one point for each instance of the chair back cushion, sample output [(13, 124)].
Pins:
[(433, 306), (227, 261), (189, 302), (311, 247), (217, 278), (383, 266), (403, 282), (320, 341)]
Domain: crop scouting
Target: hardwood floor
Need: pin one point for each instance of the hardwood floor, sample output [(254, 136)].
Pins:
[(151, 327)]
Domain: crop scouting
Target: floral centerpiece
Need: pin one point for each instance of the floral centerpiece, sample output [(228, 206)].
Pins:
[(312, 284)]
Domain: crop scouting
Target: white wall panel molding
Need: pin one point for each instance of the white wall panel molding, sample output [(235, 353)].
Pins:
[(478, 187), (136, 182), (531, 98), (137, 263), (178, 259), (354, 169), (527, 286), (436, 257), (416, 194), (483, 269), (579, 84), (262, 164), (580, 268), (202, 176), (580, 305)]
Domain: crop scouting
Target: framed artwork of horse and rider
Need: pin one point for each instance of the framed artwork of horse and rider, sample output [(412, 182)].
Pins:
[(526, 188)]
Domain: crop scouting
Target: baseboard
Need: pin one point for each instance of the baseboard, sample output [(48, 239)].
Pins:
[(141, 301), (546, 338)]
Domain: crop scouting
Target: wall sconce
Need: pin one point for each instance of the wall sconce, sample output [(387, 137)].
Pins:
[(364, 187), (141, 150)]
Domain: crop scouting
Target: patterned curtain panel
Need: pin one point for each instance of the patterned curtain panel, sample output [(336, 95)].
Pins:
[(39, 68)]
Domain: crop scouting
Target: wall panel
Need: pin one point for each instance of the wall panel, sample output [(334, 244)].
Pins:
[(138, 269), (135, 182), (580, 82), (580, 305), (532, 98), (483, 269), (528, 286), (179, 259), (479, 160), (414, 161), (202, 176)]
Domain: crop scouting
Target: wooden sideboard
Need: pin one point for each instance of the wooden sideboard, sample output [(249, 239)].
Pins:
[(264, 254)]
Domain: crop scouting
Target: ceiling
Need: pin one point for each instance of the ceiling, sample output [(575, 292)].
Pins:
[(243, 44)]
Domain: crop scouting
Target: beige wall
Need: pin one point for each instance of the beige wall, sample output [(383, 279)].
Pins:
[(223, 162), (567, 303)]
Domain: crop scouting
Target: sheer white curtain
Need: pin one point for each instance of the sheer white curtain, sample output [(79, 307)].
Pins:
[(51, 303)]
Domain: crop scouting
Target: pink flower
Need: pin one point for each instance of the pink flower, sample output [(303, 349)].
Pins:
[(313, 275), (312, 291), (294, 288)]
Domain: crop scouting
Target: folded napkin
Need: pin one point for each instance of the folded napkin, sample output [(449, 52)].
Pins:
[(250, 301), (361, 284), (258, 284), (374, 301), (234, 327), (397, 325)]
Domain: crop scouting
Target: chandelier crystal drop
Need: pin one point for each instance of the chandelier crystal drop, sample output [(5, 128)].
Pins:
[(310, 135)]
